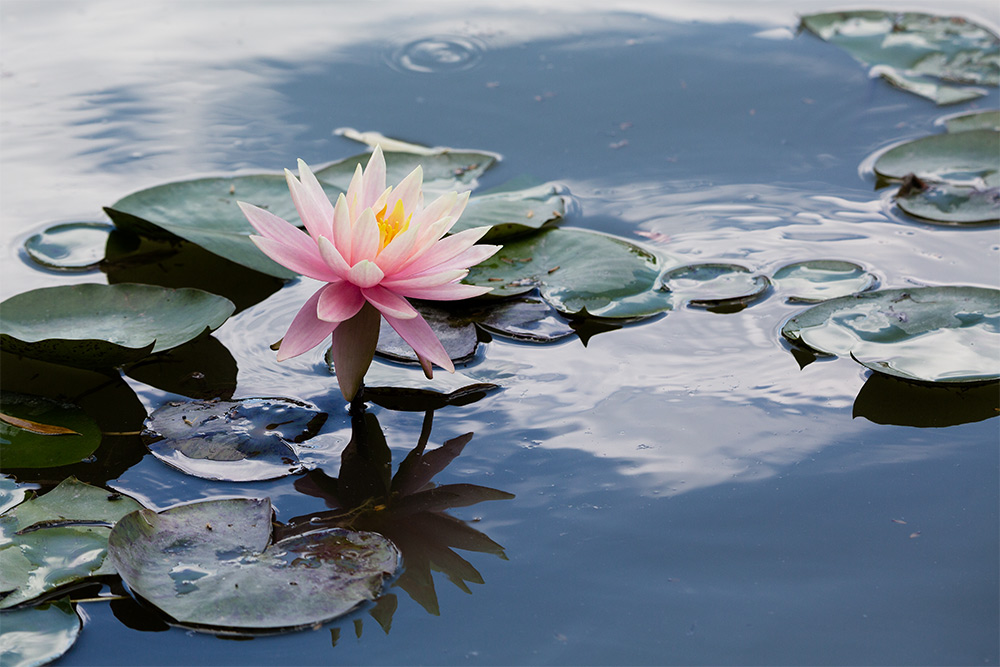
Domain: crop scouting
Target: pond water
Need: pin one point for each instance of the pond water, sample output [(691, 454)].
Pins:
[(685, 493)]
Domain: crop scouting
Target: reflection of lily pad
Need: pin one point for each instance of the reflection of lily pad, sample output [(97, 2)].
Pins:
[(73, 246), (886, 400), (96, 326), (713, 285), (203, 368), (916, 52), (578, 273), (22, 447), (244, 440), (977, 120), (930, 334), (212, 564), (820, 279), (38, 635)]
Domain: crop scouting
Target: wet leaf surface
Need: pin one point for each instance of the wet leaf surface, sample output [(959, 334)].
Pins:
[(511, 211), (817, 280), (22, 447), (100, 326), (960, 158), (73, 246), (713, 285), (211, 565), (977, 120), (243, 440), (951, 204), (38, 635)]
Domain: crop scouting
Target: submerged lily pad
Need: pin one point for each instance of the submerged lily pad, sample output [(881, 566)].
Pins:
[(211, 565), (72, 246), (977, 120), (928, 334), (99, 326), (578, 273), (713, 286), (24, 446), (917, 52), (240, 441), (38, 635), (821, 279)]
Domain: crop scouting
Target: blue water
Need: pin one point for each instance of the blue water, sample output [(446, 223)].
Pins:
[(685, 493)]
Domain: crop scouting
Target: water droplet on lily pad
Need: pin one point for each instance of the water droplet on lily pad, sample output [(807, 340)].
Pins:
[(714, 286), (72, 246), (821, 279)]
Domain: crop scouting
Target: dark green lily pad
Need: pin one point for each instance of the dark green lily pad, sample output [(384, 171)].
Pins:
[(960, 158), (511, 211), (100, 326), (211, 565), (917, 52), (238, 441), (23, 448), (455, 331), (951, 204), (71, 502), (72, 246), (523, 318), (817, 280), (578, 273), (927, 334), (713, 285), (977, 120), (38, 635)]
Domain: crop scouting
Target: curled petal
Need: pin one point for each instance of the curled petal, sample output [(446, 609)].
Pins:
[(374, 180), (389, 303), (418, 335), (339, 302), (365, 274), (306, 331), (354, 344)]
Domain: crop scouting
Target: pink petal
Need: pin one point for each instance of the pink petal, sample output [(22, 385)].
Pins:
[(436, 210), (397, 251), (333, 259), (306, 331), (389, 303), (418, 335), (354, 344), (429, 279), (463, 260), (408, 191), (374, 180), (339, 302), (442, 251), (449, 292), (316, 212), (365, 240), (342, 233), (271, 226), (365, 274), (354, 192), (306, 261)]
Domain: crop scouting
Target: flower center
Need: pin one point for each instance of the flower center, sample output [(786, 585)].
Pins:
[(392, 224)]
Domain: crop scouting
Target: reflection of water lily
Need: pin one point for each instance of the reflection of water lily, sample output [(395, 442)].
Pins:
[(374, 248)]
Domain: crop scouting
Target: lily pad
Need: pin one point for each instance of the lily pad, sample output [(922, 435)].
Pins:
[(917, 52), (456, 332), (714, 286), (950, 204), (211, 565), (22, 446), (977, 120), (38, 635), (511, 211), (578, 273), (73, 246), (523, 318), (100, 326), (239, 441), (928, 334), (961, 158), (11, 493), (817, 280)]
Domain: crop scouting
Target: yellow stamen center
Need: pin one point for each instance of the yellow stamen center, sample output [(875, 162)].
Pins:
[(392, 225)]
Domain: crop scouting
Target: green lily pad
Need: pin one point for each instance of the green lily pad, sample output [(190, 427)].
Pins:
[(71, 502), (456, 332), (511, 211), (211, 565), (11, 493), (950, 204), (73, 246), (238, 441), (578, 273), (38, 635), (977, 120), (917, 52), (27, 448), (928, 334), (817, 280), (714, 286), (523, 318), (960, 158), (100, 326)]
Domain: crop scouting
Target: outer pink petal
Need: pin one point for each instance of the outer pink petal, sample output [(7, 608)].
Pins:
[(418, 335), (333, 259), (339, 302), (306, 331), (271, 226), (365, 241), (354, 344), (304, 261), (449, 292), (354, 192), (342, 227), (374, 180), (408, 191), (365, 274), (389, 303), (463, 260), (429, 279), (442, 251), (316, 212)]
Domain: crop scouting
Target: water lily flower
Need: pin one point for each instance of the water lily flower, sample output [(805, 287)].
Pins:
[(373, 249)]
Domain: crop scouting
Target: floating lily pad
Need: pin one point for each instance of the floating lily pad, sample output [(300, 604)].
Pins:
[(916, 52), (929, 334), (456, 332), (950, 204), (523, 318), (961, 158), (821, 279), (239, 441), (22, 446), (578, 273), (11, 493), (511, 211), (73, 246), (977, 120), (99, 326), (211, 565), (71, 502), (722, 286), (38, 635)]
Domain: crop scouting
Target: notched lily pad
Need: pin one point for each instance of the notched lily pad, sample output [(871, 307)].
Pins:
[(30, 435), (817, 280), (38, 635), (101, 326), (211, 565), (713, 286), (927, 334), (72, 246), (240, 441)]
